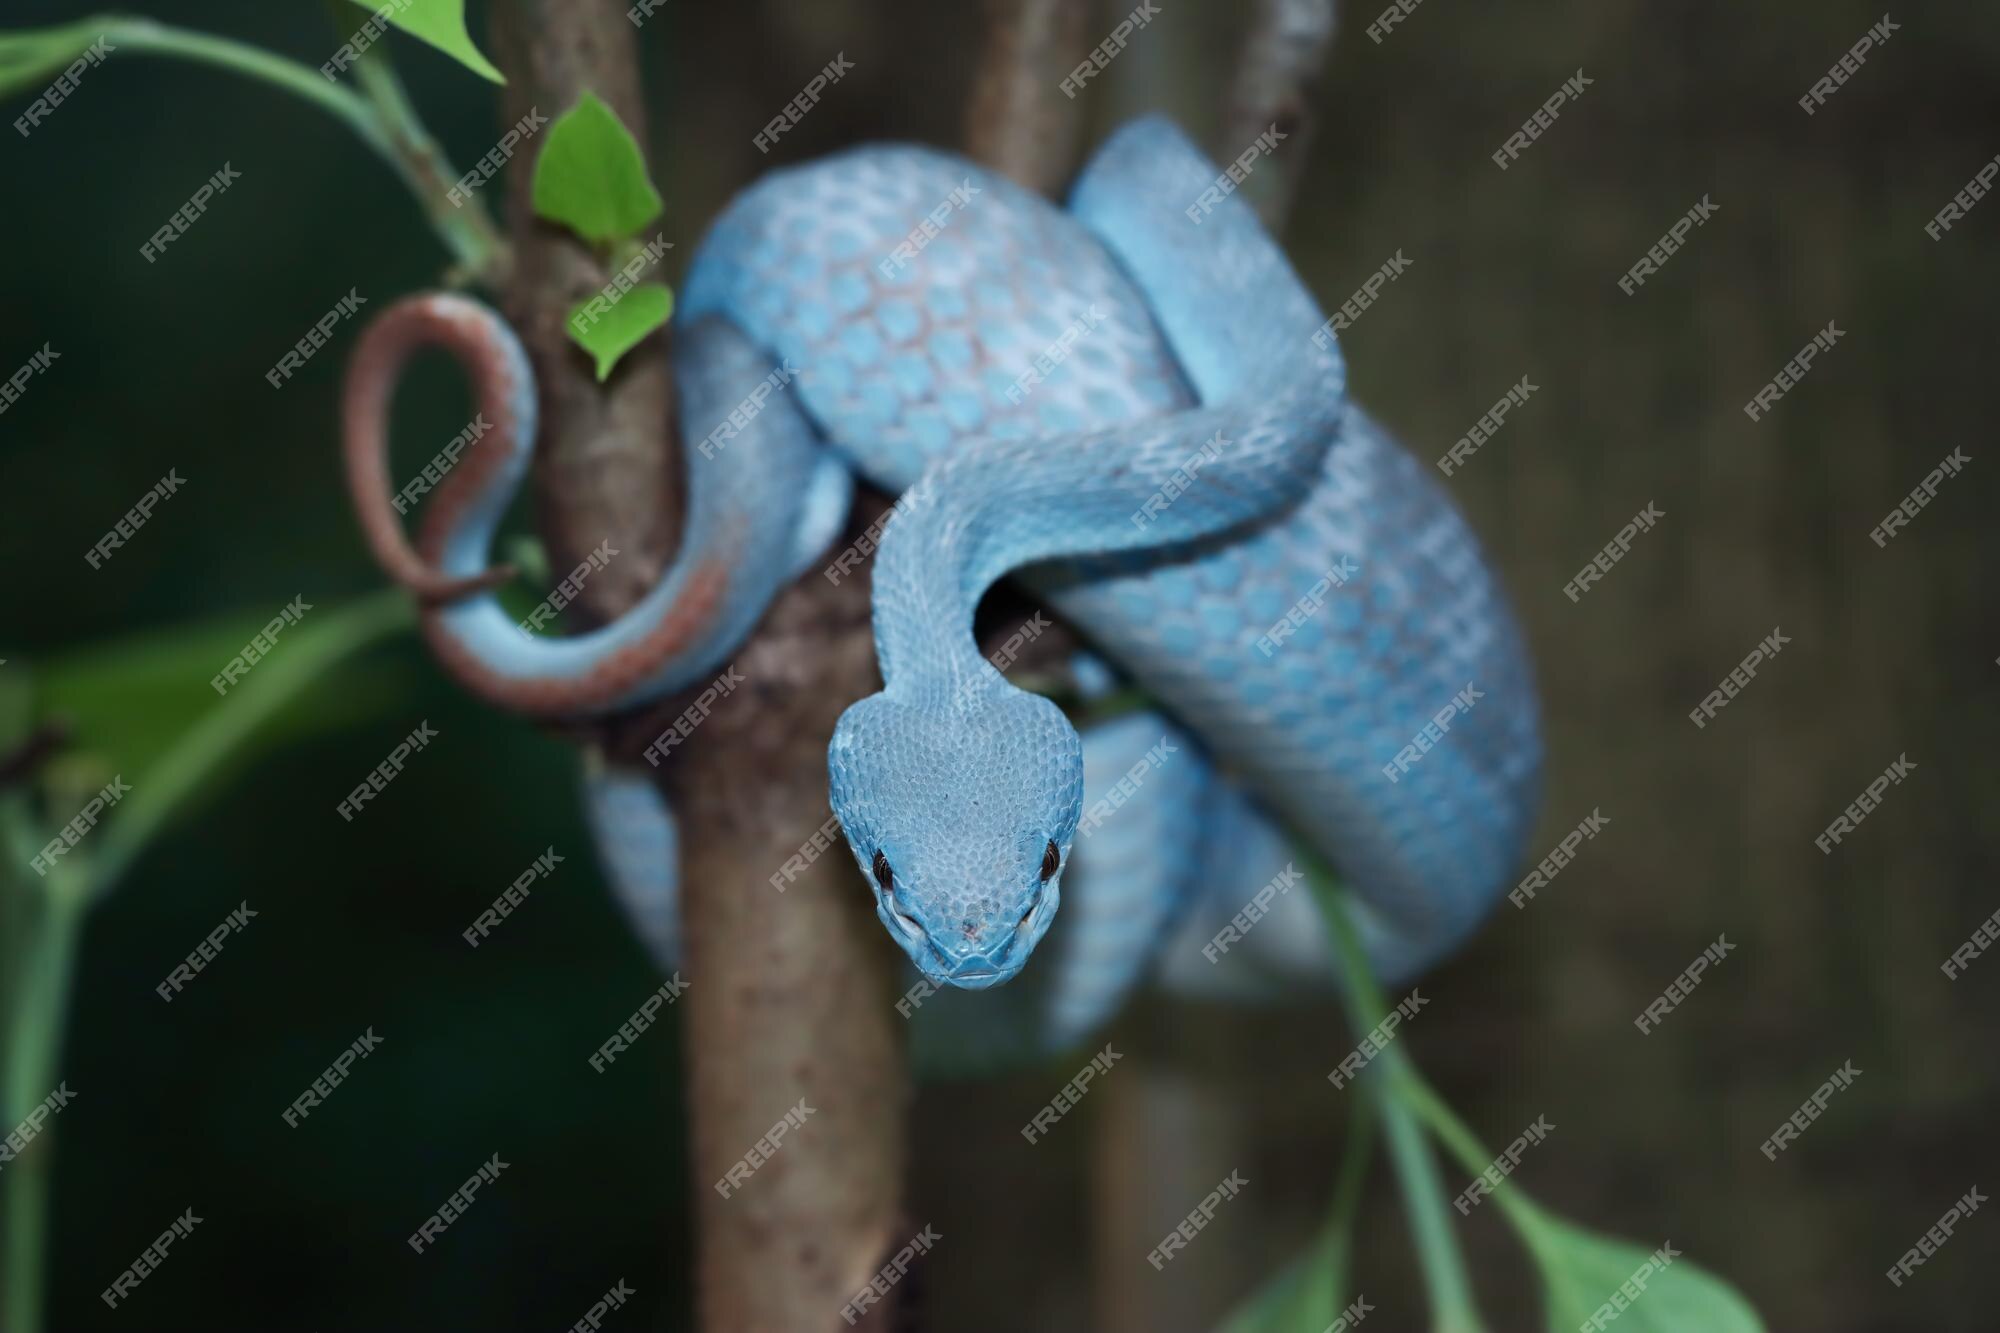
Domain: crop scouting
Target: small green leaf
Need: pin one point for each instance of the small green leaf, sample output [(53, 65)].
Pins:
[(590, 177), (441, 23), (1645, 1291), (1304, 1297), (609, 329)]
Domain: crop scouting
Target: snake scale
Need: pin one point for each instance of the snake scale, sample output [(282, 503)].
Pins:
[(1127, 411)]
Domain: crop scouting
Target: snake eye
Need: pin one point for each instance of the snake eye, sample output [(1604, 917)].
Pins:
[(883, 874), (1051, 861)]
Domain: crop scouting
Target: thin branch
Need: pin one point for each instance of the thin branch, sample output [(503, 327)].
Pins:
[(1019, 121), (1277, 77)]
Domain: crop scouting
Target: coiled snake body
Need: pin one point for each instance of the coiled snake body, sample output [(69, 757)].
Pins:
[(1129, 412)]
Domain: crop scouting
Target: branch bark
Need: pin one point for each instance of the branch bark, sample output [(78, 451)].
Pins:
[(790, 999), (1016, 122), (1276, 77)]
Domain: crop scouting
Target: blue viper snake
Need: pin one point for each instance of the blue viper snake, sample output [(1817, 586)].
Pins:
[(1137, 415)]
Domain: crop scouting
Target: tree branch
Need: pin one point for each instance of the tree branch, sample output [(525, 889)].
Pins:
[(1017, 121), (791, 996), (1276, 77)]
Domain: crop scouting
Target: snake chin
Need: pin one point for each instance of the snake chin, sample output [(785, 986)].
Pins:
[(950, 810)]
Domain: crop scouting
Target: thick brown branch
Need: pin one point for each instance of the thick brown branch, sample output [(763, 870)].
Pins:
[(790, 1005), (603, 468)]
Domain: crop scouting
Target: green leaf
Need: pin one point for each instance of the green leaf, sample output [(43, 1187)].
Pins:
[(1305, 1296), (609, 332), (1643, 1291), (441, 23), (590, 177)]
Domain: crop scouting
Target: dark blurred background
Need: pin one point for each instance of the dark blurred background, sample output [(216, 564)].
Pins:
[(1512, 274)]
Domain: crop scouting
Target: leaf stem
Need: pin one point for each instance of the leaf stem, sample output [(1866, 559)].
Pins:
[(384, 119), (209, 741), (1445, 1280)]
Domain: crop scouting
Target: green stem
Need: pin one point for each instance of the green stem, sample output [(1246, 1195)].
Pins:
[(1445, 1280), (383, 120), (278, 680), (35, 1028)]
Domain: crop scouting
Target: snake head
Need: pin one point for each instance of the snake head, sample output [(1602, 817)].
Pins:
[(960, 814)]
